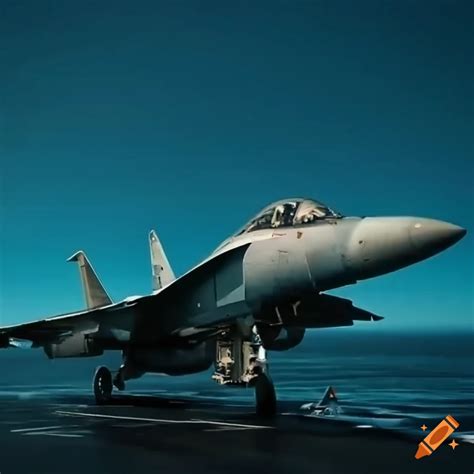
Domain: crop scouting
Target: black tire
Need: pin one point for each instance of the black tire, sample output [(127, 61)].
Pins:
[(265, 396), (103, 385)]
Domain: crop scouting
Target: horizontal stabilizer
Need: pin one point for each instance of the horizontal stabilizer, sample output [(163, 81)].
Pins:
[(94, 291), (162, 272)]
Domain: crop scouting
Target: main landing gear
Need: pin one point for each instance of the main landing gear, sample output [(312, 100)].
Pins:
[(241, 362), (103, 384)]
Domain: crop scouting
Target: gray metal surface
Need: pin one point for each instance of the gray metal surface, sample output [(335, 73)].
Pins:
[(269, 276)]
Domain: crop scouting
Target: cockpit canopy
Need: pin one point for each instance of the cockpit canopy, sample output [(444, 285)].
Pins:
[(289, 212)]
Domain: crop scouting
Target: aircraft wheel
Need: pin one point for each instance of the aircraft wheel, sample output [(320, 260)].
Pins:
[(103, 385), (265, 396)]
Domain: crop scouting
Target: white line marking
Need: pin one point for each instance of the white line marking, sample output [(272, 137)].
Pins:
[(224, 428), (43, 428), (161, 420), (61, 435), (226, 423)]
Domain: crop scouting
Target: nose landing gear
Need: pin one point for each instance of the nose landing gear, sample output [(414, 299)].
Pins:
[(265, 396), (242, 363)]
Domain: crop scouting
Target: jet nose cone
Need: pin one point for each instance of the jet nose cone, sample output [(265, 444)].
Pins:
[(431, 236), (380, 245)]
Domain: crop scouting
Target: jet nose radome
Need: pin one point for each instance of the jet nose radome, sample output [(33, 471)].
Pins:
[(430, 236), (381, 245)]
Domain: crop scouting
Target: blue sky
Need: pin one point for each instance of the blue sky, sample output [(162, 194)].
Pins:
[(188, 117)]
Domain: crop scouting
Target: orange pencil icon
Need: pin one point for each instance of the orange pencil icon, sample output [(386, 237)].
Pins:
[(436, 437)]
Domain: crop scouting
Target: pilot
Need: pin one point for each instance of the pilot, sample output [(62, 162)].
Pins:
[(288, 214), (308, 217)]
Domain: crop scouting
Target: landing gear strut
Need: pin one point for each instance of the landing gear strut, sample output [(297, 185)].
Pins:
[(119, 379), (265, 396), (102, 385), (241, 362)]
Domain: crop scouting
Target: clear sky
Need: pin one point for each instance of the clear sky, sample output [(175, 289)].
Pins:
[(188, 117)]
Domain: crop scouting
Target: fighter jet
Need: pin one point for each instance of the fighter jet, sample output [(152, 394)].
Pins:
[(259, 291)]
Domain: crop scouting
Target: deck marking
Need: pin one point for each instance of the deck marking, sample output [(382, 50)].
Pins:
[(227, 423), (161, 420), (54, 433), (42, 428), (225, 428)]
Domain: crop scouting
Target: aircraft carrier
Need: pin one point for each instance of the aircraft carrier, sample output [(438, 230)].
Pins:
[(65, 433)]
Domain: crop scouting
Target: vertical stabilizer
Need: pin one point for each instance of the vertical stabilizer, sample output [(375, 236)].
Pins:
[(162, 272), (328, 397), (94, 291)]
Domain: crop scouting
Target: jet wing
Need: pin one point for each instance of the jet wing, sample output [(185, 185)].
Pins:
[(185, 302), (55, 329), (208, 298), (101, 317)]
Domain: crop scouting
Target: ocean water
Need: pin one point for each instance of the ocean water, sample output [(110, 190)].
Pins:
[(396, 381)]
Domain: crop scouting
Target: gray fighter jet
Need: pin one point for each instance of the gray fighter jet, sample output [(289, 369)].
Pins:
[(260, 290)]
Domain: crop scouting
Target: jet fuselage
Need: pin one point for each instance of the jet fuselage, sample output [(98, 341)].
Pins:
[(290, 262)]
